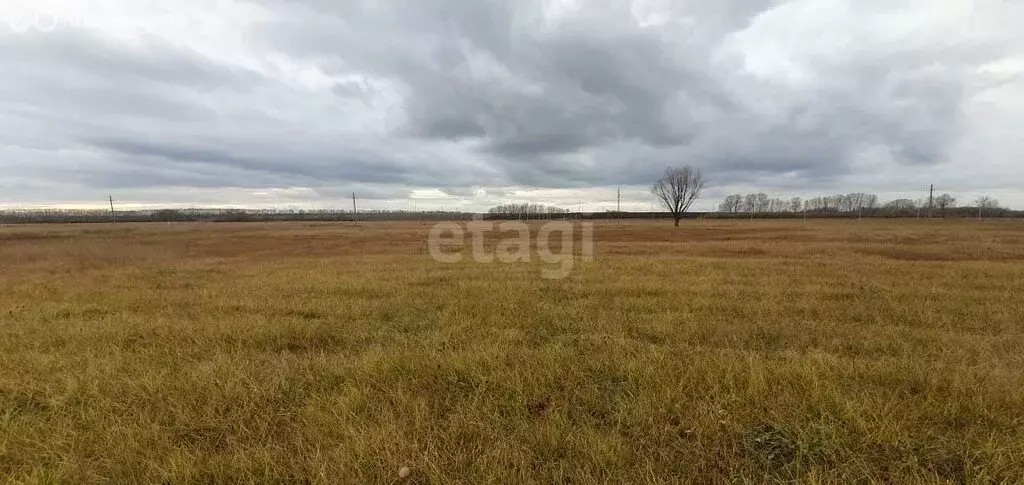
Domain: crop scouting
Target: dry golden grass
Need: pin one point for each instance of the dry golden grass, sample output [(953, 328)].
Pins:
[(730, 351)]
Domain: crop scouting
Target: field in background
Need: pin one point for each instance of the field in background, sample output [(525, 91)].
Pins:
[(821, 351)]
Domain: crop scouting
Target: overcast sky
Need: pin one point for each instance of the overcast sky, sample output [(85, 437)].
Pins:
[(470, 103)]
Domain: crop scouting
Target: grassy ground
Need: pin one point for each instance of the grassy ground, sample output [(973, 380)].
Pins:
[(735, 351)]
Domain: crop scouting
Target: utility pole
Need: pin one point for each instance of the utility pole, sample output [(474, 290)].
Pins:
[(931, 200), (354, 218), (618, 205), (113, 215)]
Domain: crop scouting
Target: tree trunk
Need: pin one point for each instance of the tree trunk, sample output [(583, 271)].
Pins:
[(677, 221)]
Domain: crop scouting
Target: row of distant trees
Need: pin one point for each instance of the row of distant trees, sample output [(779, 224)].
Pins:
[(217, 215), (762, 203), (853, 203), (525, 209)]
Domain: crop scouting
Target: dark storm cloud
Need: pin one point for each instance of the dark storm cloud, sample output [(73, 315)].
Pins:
[(83, 54), (61, 88), (491, 72), (172, 116), (75, 74), (459, 191), (290, 164), (482, 70), (74, 90)]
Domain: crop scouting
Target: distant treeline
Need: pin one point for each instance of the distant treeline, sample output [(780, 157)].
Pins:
[(504, 212), (217, 215), (859, 204), (525, 210)]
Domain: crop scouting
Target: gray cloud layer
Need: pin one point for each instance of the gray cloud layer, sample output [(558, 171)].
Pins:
[(397, 96)]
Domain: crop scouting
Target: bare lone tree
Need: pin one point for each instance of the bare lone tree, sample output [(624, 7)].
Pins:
[(678, 189), (944, 203), (985, 202)]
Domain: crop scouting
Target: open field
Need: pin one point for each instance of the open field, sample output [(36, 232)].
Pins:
[(743, 351)]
